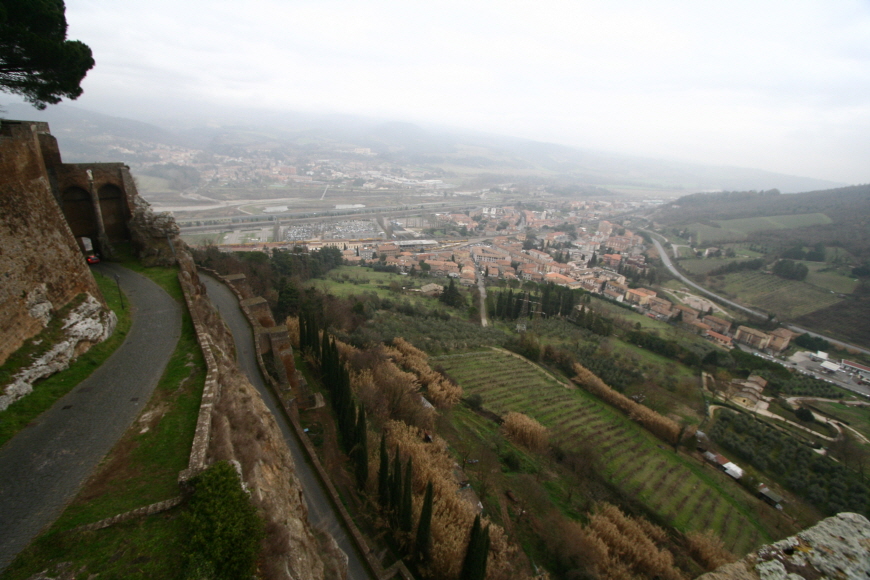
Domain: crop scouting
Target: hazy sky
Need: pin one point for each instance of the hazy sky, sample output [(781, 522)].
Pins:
[(777, 85)]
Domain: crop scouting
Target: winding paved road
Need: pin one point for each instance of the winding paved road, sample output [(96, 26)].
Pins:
[(43, 466), (320, 511), (667, 261)]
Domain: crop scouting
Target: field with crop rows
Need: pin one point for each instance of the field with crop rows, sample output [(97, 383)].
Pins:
[(686, 494), (775, 222), (711, 235), (786, 298), (704, 265), (737, 229)]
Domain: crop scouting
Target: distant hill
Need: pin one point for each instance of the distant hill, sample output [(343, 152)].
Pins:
[(848, 210), (82, 134), (462, 156)]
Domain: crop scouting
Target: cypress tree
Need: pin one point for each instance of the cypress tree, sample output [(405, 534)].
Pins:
[(406, 513), (396, 484), (361, 450), (424, 527), (474, 564), (324, 349), (384, 475)]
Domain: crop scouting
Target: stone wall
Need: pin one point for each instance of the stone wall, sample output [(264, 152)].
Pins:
[(837, 548), (257, 311), (36, 244), (235, 425)]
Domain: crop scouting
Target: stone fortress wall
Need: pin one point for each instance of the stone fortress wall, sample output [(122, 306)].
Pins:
[(41, 266)]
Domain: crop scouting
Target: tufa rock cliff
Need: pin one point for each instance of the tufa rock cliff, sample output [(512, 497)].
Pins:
[(837, 548), (244, 431)]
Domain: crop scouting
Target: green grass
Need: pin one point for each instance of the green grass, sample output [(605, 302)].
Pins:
[(788, 299), (347, 280), (775, 222), (825, 277), (857, 417), (141, 469), (736, 230), (705, 234), (700, 266), (635, 462), (48, 390)]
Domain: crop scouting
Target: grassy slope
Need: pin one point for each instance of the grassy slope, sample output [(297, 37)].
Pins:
[(681, 491), (789, 299), (50, 389), (141, 469)]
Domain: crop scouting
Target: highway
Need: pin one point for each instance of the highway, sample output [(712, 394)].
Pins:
[(755, 313)]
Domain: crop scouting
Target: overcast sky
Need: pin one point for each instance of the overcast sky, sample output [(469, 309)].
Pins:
[(777, 85)]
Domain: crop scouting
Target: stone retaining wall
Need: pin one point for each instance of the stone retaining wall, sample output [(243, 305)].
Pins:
[(253, 315), (148, 510), (210, 393)]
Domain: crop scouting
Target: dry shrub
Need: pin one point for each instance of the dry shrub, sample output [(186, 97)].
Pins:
[(441, 391), (452, 516), (577, 553), (525, 431), (708, 550), (632, 550), (444, 393), (346, 352), (665, 429), (390, 393)]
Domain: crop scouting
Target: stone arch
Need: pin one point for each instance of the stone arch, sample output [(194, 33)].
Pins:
[(78, 209), (113, 207)]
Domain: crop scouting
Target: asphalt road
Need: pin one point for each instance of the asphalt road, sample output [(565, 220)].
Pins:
[(43, 467), (320, 511), (667, 261)]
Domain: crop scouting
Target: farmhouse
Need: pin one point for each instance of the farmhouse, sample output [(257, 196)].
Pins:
[(639, 296), (660, 306), (752, 337), (780, 338), (717, 324), (719, 339), (689, 315)]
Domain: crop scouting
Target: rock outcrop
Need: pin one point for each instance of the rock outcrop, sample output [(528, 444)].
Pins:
[(837, 548), (87, 324)]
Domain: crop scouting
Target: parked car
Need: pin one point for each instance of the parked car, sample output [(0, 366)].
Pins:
[(92, 259)]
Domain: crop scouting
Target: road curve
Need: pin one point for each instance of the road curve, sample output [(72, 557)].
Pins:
[(320, 511), (43, 466), (667, 262)]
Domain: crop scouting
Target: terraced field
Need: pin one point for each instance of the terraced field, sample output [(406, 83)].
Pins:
[(688, 495)]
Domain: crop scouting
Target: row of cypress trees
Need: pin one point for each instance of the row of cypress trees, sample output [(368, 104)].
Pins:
[(395, 488), (551, 301), (351, 418), (394, 496), (395, 484)]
